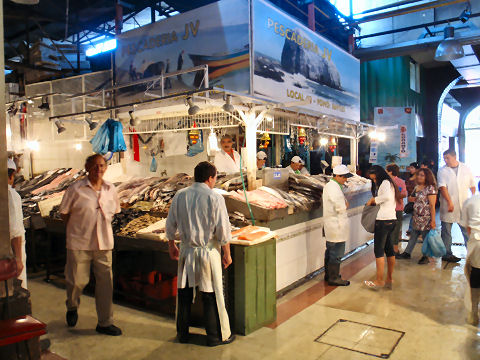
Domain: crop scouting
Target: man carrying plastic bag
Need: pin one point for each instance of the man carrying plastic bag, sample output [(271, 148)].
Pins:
[(471, 221)]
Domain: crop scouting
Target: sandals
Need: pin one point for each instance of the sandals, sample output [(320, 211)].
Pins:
[(371, 285)]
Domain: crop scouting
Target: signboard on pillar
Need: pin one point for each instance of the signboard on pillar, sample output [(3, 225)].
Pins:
[(216, 35), (399, 126), (292, 62)]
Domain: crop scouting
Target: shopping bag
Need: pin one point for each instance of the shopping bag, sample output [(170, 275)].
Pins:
[(109, 138), (153, 165), (369, 216), (433, 245)]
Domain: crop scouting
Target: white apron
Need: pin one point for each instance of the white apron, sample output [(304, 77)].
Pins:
[(204, 261), (336, 228)]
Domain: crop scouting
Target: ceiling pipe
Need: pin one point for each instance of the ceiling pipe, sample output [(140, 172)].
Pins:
[(413, 27)]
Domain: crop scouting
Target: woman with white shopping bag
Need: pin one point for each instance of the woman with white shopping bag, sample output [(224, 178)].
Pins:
[(423, 211), (471, 220)]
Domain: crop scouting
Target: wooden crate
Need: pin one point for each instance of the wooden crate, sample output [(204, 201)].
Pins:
[(254, 286)]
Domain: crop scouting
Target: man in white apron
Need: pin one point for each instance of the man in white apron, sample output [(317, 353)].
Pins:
[(335, 224), (17, 230), (455, 182), (201, 218)]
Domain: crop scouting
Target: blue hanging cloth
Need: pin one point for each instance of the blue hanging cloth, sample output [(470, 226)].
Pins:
[(109, 138)]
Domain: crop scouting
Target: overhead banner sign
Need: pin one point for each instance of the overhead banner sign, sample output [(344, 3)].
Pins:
[(291, 62), (400, 145), (213, 35)]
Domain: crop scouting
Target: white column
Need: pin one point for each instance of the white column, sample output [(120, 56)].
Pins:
[(5, 246), (354, 152), (251, 144)]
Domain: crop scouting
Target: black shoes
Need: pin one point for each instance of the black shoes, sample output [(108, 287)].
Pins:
[(72, 318), (183, 339), (339, 282), (423, 260), (111, 330), (218, 342), (451, 258), (403, 255)]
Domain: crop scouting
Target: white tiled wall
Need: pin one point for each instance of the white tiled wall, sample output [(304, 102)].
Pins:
[(303, 252)]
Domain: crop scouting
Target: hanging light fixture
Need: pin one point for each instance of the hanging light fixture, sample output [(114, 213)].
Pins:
[(60, 127), (92, 125), (26, 2), (228, 107), (449, 48), (133, 121), (12, 110), (192, 108), (44, 105)]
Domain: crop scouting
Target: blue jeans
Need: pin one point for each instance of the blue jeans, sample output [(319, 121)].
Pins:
[(447, 236), (413, 240)]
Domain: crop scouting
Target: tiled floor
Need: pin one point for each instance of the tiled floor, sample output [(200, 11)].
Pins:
[(426, 305), (361, 338)]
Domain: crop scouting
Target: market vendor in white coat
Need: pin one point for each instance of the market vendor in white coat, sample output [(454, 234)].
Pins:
[(303, 169), (295, 165), (201, 218), (335, 224), (17, 230), (455, 183), (227, 160)]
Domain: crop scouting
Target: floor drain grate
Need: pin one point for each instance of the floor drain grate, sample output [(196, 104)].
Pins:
[(362, 338)]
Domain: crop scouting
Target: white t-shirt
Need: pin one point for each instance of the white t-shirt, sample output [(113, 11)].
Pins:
[(224, 162), (458, 186), (386, 199)]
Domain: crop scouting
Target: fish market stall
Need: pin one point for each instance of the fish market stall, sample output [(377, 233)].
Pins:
[(306, 91)]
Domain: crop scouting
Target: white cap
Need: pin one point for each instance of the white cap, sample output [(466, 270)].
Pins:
[(261, 155), (11, 164), (296, 159), (341, 170)]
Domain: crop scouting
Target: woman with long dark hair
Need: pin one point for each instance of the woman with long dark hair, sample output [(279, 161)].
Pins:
[(423, 210), (385, 193)]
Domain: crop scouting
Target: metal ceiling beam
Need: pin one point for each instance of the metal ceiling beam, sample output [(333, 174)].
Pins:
[(471, 37), (413, 27), (17, 65)]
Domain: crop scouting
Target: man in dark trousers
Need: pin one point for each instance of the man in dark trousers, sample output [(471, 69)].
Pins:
[(201, 218)]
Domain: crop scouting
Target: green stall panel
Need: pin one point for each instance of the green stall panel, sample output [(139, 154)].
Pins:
[(254, 286)]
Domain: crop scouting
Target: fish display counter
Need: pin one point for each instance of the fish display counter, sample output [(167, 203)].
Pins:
[(300, 242)]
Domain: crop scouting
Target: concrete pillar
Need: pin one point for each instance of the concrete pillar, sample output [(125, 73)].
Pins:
[(354, 153), (5, 246)]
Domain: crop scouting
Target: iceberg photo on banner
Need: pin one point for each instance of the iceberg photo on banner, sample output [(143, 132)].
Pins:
[(291, 62)]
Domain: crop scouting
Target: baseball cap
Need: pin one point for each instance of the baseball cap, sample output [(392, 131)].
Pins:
[(261, 155), (11, 164), (342, 170), (297, 159)]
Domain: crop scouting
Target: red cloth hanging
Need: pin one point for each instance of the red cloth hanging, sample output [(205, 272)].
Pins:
[(135, 146)]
